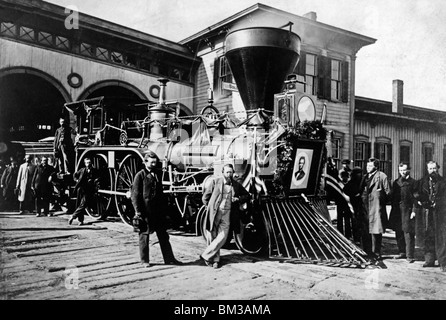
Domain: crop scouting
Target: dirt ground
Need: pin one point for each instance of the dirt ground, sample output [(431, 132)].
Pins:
[(45, 258)]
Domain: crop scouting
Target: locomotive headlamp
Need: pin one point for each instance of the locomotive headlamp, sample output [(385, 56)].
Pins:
[(306, 110)]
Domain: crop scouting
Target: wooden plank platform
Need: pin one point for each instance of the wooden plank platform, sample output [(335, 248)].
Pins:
[(41, 258)]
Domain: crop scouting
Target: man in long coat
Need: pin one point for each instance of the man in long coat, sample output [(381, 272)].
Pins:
[(432, 196), (402, 216), (150, 206), (23, 185), (87, 184), (375, 189), (43, 187), (8, 182), (222, 198)]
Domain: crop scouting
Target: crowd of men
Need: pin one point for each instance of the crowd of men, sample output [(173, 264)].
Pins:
[(370, 193), (29, 187)]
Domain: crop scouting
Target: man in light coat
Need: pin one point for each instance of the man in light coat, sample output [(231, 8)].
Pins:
[(375, 189), (23, 185), (222, 198)]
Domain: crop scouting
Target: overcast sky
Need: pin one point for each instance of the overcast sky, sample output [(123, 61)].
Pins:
[(410, 46)]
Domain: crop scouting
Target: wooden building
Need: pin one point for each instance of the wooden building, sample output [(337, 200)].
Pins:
[(394, 132)]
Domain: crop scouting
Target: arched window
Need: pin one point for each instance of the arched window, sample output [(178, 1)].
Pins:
[(383, 152), (362, 151), (428, 154), (405, 153)]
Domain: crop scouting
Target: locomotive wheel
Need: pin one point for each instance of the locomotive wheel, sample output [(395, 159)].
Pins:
[(102, 201), (128, 169), (251, 239)]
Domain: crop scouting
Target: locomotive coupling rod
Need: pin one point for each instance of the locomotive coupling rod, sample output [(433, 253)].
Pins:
[(117, 193)]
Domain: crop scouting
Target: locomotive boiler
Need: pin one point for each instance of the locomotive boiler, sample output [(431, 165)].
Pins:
[(278, 153)]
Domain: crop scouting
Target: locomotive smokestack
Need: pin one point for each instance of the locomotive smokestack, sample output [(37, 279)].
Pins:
[(162, 98), (260, 59), (159, 112)]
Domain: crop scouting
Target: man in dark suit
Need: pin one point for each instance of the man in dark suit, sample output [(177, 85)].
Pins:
[(300, 173), (150, 206), (403, 211), (63, 147), (432, 196), (8, 183), (43, 187), (222, 198), (87, 184)]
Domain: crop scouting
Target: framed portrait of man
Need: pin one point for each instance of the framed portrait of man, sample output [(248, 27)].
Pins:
[(304, 173)]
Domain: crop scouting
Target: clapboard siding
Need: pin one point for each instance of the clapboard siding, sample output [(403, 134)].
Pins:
[(397, 134)]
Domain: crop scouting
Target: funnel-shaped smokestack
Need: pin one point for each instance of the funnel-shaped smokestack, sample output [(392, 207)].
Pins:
[(260, 59)]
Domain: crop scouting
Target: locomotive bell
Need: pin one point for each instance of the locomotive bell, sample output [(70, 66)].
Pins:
[(159, 113), (260, 58)]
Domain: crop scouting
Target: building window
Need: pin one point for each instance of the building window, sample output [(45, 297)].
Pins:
[(335, 80), (86, 49), (26, 33), (45, 38), (102, 53), (8, 29), (383, 152), (310, 74), (362, 151), (405, 152), (332, 79), (428, 154), (336, 151), (117, 57), (223, 77), (145, 64), (62, 43)]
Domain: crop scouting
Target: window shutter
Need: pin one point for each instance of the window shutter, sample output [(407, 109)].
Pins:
[(216, 86), (344, 81), (369, 151), (324, 85)]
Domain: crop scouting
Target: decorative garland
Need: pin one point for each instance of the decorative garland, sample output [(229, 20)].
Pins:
[(304, 130)]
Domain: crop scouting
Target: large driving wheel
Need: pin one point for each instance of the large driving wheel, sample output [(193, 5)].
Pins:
[(99, 208), (252, 238), (125, 176)]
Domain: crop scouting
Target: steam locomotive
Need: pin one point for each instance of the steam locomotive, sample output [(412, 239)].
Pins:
[(287, 217)]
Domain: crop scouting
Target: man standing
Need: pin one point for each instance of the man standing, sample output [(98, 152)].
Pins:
[(43, 187), (8, 182), (403, 213), (374, 191), (222, 198), (23, 185), (432, 196), (87, 184), (63, 147), (150, 206)]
